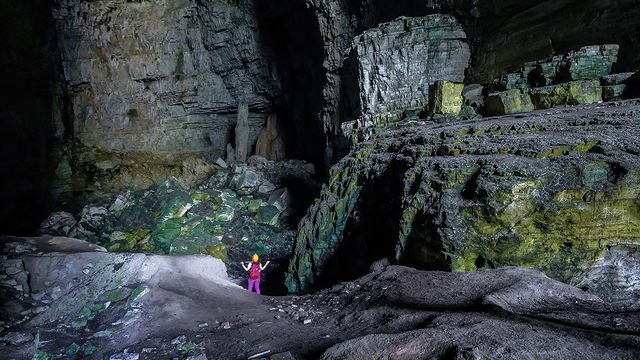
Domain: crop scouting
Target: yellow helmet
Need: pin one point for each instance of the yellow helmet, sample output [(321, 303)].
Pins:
[(254, 258)]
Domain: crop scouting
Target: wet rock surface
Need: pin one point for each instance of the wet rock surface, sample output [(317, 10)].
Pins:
[(126, 306), (543, 190)]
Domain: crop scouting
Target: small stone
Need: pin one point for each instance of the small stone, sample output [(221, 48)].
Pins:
[(125, 356), (307, 321), (254, 205), (40, 309), (13, 270), (226, 325), (57, 224), (280, 199), (224, 213), (248, 179), (16, 338), (257, 161), (179, 340), (198, 357), (266, 187), (203, 325), (267, 215), (221, 163), (282, 356), (10, 282)]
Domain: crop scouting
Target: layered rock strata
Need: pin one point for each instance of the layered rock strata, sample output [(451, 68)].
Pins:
[(502, 34), (545, 191), (395, 63), (154, 83), (578, 77)]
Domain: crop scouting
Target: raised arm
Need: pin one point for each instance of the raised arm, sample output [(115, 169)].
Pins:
[(244, 267), (265, 265)]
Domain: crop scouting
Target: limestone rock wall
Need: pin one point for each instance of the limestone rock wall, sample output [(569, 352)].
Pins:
[(157, 82), (162, 76), (513, 32), (396, 62)]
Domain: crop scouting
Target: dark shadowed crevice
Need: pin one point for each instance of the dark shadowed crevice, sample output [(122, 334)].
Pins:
[(29, 107), (291, 39), (424, 249), (371, 232)]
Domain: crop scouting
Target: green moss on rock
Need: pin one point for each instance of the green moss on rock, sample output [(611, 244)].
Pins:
[(446, 97), (572, 93), (508, 102)]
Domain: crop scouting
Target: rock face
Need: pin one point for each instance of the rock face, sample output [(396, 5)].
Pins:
[(395, 63), (542, 191), (149, 82), (79, 301), (502, 34), (546, 30)]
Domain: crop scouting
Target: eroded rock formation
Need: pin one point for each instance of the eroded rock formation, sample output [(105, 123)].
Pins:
[(543, 191), (158, 81)]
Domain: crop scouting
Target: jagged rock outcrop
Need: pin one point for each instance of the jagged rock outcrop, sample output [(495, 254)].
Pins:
[(154, 83), (544, 190), (394, 64)]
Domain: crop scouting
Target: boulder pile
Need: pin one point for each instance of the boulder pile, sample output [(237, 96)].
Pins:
[(242, 209)]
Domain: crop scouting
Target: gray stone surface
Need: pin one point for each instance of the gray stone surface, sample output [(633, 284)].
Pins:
[(396, 62), (159, 79), (242, 133), (57, 223), (128, 304)]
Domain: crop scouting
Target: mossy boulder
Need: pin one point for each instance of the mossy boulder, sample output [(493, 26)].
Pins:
[(267, 215), (169, 219), (571, 93), (591, 62), (544, 191), (508, 102), (446, 97)]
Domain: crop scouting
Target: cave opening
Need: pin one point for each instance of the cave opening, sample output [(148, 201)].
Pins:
[(30, 113), (291, 39), (371, 233)]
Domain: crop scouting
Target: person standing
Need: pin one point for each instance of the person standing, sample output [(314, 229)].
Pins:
[(254, 268)]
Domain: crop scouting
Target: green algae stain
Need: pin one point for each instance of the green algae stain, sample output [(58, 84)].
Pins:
[(73, 349), (558, 235), (84, 312), (218, 251), (136, 293), (117, 294), (568, 150)]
